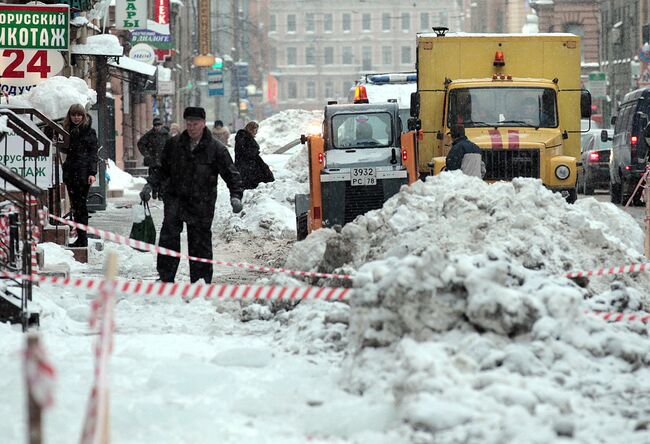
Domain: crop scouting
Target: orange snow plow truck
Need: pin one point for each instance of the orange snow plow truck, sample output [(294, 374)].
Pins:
[(518, 97), (360, 160)]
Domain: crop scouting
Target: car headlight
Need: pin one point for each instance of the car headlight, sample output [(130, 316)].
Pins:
[(562, 172)]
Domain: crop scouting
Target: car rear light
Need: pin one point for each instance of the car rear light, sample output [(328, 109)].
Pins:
[(634, 140), (405, 156), (628, 167), (594, 157)]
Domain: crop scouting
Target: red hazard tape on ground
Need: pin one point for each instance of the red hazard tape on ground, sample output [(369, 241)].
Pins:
[(195, 291), (113, 237), (622, 317), (632, 268)]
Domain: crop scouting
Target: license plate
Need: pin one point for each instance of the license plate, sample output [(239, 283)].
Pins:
[(363, 176)]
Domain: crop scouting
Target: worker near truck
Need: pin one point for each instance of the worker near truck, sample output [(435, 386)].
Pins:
[(464, 155)]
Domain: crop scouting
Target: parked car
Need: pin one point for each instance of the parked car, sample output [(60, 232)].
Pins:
[(595, 162), (629, 154)]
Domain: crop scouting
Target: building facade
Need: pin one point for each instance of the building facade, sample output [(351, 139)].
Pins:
[(316, 51)]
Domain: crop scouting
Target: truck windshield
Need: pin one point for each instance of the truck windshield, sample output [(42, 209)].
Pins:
[(501, 106), (362, 130)]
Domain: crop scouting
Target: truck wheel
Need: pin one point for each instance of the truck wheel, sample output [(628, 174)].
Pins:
[(301, 226), (615, 191)]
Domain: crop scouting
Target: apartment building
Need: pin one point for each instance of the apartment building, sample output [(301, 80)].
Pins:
[(318, 49)]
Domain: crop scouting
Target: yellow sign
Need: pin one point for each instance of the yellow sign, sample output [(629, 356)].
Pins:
[(204, 27)]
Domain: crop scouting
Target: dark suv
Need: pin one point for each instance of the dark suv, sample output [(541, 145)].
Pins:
[(629, 148)]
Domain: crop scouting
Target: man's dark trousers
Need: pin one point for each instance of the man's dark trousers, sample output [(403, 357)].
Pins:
[(199, 242)]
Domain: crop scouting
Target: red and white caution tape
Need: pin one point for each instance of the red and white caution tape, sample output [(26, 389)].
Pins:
[(113, 237), (631, 268), (622, 317), (194, 291), (95, 428), (40, 375)]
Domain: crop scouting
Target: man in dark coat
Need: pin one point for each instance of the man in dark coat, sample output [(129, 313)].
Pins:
[(190, 165), (151, 145), (248, 161), (465, 155)]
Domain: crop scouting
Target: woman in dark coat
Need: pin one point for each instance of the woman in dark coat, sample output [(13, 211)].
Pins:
[(80, 166), (252, 168)]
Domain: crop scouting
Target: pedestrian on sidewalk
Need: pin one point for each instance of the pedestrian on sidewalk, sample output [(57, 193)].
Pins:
[(190, 165), (220, 132), (248, 161), (80, 166), (150, 146), (464, 155)]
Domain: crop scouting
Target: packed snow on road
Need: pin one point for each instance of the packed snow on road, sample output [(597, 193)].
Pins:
[(461, 326)]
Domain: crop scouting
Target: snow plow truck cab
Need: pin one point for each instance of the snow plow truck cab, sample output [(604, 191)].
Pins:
[(518, 96), (359, 161)]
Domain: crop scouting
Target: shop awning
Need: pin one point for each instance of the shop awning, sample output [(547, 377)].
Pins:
[(129, 64)]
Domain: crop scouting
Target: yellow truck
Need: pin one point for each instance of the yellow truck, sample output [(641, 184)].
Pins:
[(518, 97)]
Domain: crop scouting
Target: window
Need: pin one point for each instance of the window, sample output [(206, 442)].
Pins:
[(328, 22), (273, 26), (310, 25), (365, 22), (366, 58), (311, 90), (273, 57), (386, 55), (347, 23), (292, 90), (512, 107), (406, 55), (442, 18), (424, 21), (329, 89), (347, 55), (291, 23), (362, 130), (292, 56), (385, 21), (329, 55), (406, 21), (310, 55)]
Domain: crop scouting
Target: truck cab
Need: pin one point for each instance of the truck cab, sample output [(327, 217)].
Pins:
[(518, 97), (359, 161)]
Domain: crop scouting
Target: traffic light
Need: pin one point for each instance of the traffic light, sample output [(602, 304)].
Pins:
[(218, 63)]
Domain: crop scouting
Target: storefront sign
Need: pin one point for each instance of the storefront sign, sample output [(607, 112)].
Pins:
[(34, 27), (152, 38), (37, 170), (143, 53), (162, 11), (20, 71), (130, 14), (165, 88), (204, 27)]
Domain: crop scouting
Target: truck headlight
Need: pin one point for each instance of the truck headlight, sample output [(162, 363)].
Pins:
[(562, 172)]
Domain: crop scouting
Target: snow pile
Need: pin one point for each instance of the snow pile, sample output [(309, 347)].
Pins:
[(120, 179), (101, 44), (286, 126), (268, 209), (462, 314), (56, 95)]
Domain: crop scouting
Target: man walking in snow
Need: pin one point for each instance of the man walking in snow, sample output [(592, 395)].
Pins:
[(151, 145), (464, 155), (190, 165)]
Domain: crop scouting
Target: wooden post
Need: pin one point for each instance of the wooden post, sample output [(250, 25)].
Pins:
[(35, 427), (110, 274)]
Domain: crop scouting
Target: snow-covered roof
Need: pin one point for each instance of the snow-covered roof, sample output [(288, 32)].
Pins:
[(132, 65), (103, 44)]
